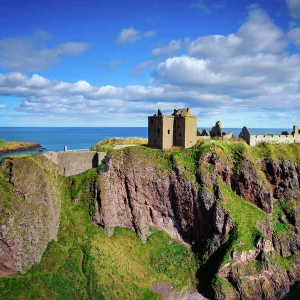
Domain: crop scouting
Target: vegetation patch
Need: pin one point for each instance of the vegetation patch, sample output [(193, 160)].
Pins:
[(277, 151), (84, 263), (107, 145), (17, 146), (245, 216)]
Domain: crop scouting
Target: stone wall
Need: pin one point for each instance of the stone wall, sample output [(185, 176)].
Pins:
[(271, 139), (155, 126), (167, 131), (75, 162), (190, 131), (252, 139), (179, 132)]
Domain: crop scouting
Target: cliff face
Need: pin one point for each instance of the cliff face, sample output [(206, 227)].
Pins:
[(29, 211), (240, 213), (237, 207)]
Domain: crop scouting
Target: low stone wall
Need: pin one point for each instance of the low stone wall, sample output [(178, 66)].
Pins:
[(271, 139), (75, 162)]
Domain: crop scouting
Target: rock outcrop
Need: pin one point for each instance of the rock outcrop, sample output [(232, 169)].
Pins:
[(239, 211), (29, 211), (135, 193)]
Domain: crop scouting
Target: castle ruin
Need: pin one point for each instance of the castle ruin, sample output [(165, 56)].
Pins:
[(283, 138), (179, 129)]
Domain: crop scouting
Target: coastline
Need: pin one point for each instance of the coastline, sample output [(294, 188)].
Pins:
[(18, 147)]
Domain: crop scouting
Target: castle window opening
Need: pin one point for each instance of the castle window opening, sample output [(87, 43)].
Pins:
[(178, 125), (151, 121), (158, 130), (168, 131), (179, 134)]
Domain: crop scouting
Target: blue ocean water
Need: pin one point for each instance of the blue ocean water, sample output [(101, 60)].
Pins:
[(55, 138)]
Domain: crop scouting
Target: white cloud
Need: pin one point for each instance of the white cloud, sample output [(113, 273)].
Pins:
[(242, 72), (294, 35), (112, 65), (167, 50), (145, 64), (187, 70), (294, 8), (149, 34), (2, 106), (131, 35), (30, 54), (257, 34), (206, 6)]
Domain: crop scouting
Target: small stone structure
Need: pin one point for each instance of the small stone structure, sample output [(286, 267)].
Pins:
[(283, 138), (215, 132), (179, 129), (75, 162)]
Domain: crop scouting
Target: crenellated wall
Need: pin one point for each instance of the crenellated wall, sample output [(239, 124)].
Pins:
[(75, 162)]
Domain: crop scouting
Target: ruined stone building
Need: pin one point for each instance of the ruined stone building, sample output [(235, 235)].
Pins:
[(179, 129), (283, 138)]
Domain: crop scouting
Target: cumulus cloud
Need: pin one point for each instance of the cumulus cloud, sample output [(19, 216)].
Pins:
[(187, 71), (169, 49), (205, 6), (30, 54), (131, 35), (145, 64), (2, 106), (257, 34), (244, 71), (294, 35), (294, 8), (112, 65)]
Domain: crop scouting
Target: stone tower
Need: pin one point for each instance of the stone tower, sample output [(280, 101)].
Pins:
[(179, 129)]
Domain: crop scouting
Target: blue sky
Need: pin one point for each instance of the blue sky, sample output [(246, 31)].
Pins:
[(112, 63)]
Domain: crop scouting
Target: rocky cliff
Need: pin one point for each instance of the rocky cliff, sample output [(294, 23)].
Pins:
[(29, 211), (238, 208)]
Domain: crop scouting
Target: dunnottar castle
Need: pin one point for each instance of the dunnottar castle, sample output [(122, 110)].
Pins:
[(180, 129)]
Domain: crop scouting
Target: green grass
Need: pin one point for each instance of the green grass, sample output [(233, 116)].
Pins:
[(222, 286), (107, 145), (144, 157), (84, 263), (277, 151), (13, 146), (245, 216), (280, 209)]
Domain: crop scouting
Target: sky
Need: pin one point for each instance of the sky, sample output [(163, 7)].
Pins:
[(113, 63)]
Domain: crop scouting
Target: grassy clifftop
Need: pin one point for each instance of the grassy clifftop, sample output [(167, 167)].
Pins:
[(17, 146), (84, 263), (107, 145)]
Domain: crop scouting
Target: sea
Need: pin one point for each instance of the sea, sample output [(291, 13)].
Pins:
[(75, 138)]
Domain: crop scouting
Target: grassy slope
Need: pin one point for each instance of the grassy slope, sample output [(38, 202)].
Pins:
[(13, 146), (86, 264), (107, 145)]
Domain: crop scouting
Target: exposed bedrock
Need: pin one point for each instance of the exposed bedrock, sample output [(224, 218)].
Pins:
[(139, 196), (29, 211)]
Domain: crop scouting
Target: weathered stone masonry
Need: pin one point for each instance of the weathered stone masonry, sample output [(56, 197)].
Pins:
[(75, 162), (179, 129), (254, 139)]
